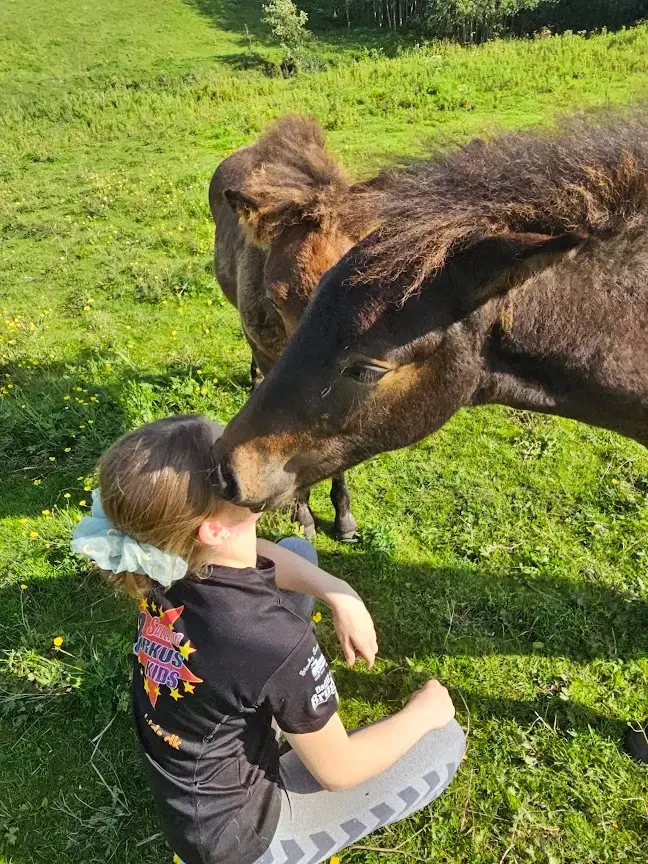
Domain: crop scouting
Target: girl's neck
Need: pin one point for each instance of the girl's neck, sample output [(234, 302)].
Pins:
[(238, 552)]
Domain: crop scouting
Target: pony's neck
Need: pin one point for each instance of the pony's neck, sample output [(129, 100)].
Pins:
[(574, 341)]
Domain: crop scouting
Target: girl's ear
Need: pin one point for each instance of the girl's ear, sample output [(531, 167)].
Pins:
[(213, 533)]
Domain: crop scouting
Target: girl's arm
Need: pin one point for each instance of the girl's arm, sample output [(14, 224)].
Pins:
[(294, 573), (339, 761), (352, 621)]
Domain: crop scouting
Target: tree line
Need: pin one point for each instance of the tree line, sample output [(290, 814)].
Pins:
[(479, 20)]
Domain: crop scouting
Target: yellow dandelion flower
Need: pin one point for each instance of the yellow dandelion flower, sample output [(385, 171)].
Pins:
[(82, 503), (174, 332), (86, 308), (317, 617), (33, 533), (209, 301), (37, 482), (23, 587), (199, 372), (107, 367), (335, 860), (67, 495), (66, 398), (176, 860), (45, 512), (68, 450), (52, 458), (57, 642), (87, 488)]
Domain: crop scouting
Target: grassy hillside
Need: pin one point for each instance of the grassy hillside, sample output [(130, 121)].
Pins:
[(505, 555)]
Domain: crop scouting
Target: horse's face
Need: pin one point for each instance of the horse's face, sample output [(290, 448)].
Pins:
[(296, 260), (366, 372)]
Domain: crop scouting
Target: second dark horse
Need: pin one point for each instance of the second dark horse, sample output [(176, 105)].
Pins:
[(284, 213)]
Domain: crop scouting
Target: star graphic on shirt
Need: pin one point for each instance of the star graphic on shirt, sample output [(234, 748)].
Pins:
[(170, 616), (186, 650), (154, 670), (143, 605), (154, 608)]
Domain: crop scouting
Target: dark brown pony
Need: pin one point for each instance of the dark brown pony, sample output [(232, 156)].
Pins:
[(511, 272), (285, 213)]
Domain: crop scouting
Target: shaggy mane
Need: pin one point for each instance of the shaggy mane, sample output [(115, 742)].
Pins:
[(586, 176), (297, 179)]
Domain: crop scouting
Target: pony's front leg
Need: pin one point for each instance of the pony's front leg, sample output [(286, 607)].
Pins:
[(256, 376), (301, 513), (345, 524)]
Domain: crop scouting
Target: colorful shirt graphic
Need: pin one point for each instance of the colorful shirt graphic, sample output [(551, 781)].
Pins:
[(161, 656)]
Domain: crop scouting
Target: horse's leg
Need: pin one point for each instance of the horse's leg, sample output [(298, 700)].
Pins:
[(259, 366), (301, 513), (345, 524), (256, 376), (636, 743)]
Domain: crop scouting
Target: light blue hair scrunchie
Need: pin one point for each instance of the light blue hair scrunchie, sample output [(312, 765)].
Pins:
[(99, 541)]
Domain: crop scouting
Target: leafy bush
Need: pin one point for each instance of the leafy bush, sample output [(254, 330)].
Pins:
[(288, 26)]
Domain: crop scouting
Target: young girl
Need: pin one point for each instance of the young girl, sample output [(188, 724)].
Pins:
[(225, 648)]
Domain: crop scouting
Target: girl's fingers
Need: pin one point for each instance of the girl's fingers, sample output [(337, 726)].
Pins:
[(349, 653), (369, 654)]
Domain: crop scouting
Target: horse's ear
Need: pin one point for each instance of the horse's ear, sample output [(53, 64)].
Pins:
[(243, 205), (498, 263)]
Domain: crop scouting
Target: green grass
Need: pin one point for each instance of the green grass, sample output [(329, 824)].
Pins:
[(506, 555)]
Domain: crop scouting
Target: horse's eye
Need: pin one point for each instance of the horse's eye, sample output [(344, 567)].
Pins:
[(365, 373)]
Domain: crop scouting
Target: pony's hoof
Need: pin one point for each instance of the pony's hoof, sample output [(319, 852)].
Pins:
[(309, 531), (636, 744), (346, 531), (353, 537)]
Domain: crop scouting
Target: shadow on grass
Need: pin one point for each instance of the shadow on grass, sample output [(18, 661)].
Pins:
[(234, 16), (475, 709), (248, 61), (67, 795), (420, 610), (245, 18)]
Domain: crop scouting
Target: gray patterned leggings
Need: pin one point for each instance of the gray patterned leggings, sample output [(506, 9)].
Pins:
[(315, 824)]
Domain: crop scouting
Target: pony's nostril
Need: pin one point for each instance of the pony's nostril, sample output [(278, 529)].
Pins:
[(225, 481)]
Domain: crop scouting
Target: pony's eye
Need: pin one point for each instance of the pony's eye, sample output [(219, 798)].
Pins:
[(364, 373)]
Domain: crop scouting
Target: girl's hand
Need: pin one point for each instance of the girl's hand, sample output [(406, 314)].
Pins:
[(433, 704), (353, 624)]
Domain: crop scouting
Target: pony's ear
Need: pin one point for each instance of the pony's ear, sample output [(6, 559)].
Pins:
[(497, 263), (243, 205)]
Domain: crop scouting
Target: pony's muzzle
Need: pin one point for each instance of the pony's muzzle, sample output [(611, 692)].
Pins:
[(225, 481)]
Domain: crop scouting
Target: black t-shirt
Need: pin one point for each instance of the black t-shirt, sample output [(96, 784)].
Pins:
[(215, 659)]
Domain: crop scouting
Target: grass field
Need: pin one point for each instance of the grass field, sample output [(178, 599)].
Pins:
[(506, 555)]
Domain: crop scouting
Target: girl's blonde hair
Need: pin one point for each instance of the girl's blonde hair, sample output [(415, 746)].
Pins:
[(156, 488)]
